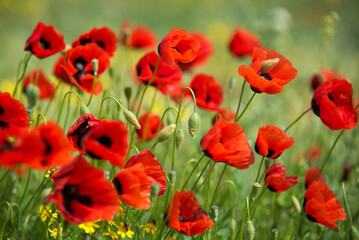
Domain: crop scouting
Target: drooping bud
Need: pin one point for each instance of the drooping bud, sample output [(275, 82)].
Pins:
[(172, 177), (193, 124), (268, 64), (131, 118), (296, 204), (214, 213), (128, 92), (179, 138), (166, 133), (84, 110), (249, 230), (155, 188), (95, 66), (256, 186), (32, 94)]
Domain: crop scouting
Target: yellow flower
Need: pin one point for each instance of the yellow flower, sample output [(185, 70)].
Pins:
[(125, 230), (149, 227), (46, 212), (120, 212), (89, 227), (54, 232), (50, 172), (112, 234)]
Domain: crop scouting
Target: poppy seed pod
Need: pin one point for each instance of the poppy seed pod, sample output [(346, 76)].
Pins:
[(193, 124), (249, 230), (95, 66), (84, 110), (166, 133), (128, 92), (131, 118), (179, 138), (32, 95)]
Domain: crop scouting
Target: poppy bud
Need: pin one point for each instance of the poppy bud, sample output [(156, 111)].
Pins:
[(172, 177), (268, 64), (232, 82), (155, 188), (179, 138), (214, 213), (296, 204), (84, 110), (166, 133), (131, 118), (193, 124), (256, 186), (32, 94), (128, 92), (95, 66), (249, 230)]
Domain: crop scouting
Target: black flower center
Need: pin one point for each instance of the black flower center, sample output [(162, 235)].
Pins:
[(101, 44), (4, 125), (118, 186), (208, 99), (315, 108), (44, 44), (71, 193), (80, 64), (104, 140), (48, 147), (84, 41), (265, 76), (2, 110), (330, 98)]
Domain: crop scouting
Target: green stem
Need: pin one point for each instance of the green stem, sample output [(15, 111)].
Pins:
[(256, 202), (218, 183), (93, 89), (26, 186), (331, 150), (26, 61), (3, 177), (259, 170), (102, 102), (38, 118), (240, 233), (63, 102), (296, 120), (148, 119), (245, 109), (347, 205), (297, 226), (190, 175), (240, 99), (32, 197)]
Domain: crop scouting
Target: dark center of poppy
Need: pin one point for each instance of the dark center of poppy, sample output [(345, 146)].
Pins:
[(80, 64), (330, 98), (48, 147), (176, 49), (182, 219), (270, 153), (4, 125), (84, 41), (2, 110), (44, 44), (139, 70), (311, 218), (104, 140), (118, 186), (315, 108), (6, 146), (265, 76), (304, 203), (270, 188), (208, 99), (80, 132), (71, 193), (101, 44)]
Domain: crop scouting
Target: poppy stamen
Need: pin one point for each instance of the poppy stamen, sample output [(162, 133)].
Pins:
[(265, 76), (44, 44), (118, 186), (2, 110), (104, 140)]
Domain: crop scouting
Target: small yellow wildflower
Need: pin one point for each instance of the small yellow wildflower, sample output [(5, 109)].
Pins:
[(54, 232), (46, 212), (120, 212), (89, 227), (112, 234), (149, 227), (50, 172), (124, 231)]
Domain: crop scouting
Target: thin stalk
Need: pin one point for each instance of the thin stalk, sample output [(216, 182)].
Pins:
[(240, 232), (190, 175), (26, 61), (245, 109), (240, 99), (297, 226), (40, 115), (259, 170), (32, 197), (331, 150), (347, 205), (296, 120), (219, 182), (63, 102), (102, 102), (3, 177), (26, 186), (50, 101), (93, 89), (200, 175)]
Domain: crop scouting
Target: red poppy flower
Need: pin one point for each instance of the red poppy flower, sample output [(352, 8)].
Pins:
[(225, 114), (103, 37), (149, 122), (45, 41), (332, 102), (82, 193), (152, 168), (322, 206), (276, 180), (178, 46), (269, 71), (107, 141), (59, 70), (203, 54), (13, 115), (227, 142), (175, 90), (326, 74), (39, 78), (272, 141), (209, 93), (242, 42), (79, 129), (133, 186), (313, 174), (186, 215), (137, 37), (165, 74), (314, 153), (78, 66)]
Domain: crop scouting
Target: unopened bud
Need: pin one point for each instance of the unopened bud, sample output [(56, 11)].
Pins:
[(296, 204), (193, 124), (95, 66), (128, 92), (214, 213), (232, 82), (155, 188), (172, 177), (256, 186), (131, 118), (249, 230), (268, 64), (179, 138), (166, 133), (32, 94), (84, 110)]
